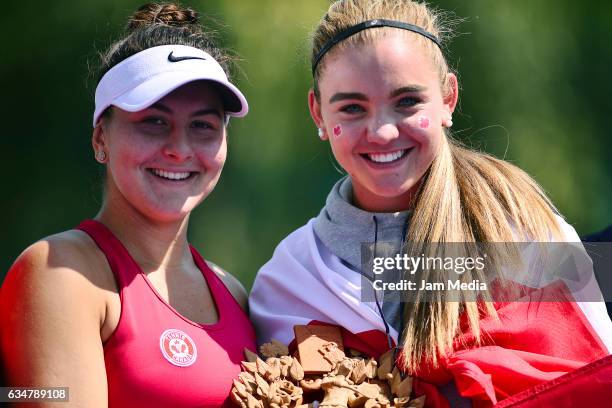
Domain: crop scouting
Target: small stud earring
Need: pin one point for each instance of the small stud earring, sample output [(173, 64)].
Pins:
[(448, 122), (101, 156), (320, 133)]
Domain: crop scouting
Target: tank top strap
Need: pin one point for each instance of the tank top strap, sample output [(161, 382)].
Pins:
[(223, 298), (121, 262)]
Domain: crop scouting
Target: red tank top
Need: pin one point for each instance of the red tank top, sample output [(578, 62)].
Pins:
[(158, 358)]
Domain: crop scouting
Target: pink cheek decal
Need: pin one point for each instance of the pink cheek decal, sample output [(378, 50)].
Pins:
[(337, 130), (423, 122)]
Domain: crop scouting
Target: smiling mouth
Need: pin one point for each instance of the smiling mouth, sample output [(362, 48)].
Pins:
[(172, 176), (384, 158)]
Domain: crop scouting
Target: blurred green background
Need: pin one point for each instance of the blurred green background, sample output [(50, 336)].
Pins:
[(535, 89)]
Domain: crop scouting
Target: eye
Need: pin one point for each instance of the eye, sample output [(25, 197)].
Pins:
[(152, 120), (202, 125), (353, 108), (408, 101), (199, 124), (153, 124)]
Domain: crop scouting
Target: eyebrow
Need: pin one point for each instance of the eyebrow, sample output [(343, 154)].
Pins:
[(202, 112), (340, 96), (407, 89), (359, 96), (161, 107), (207, 112)]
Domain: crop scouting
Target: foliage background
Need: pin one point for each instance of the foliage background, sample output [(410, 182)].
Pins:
[(535, 89)]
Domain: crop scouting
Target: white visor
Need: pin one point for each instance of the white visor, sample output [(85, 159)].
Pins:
[(144, 78)]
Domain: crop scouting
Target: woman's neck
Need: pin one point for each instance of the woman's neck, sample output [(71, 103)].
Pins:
[(154, 245), (368, 201)]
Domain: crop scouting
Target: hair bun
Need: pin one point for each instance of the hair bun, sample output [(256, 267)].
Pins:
[(163, 13)]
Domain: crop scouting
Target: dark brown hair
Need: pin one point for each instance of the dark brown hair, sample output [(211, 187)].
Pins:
[(155, 24)]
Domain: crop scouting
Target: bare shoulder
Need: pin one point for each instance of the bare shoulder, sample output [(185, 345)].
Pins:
[(51, 307), (232, 284), (70, 257), (62, 273)]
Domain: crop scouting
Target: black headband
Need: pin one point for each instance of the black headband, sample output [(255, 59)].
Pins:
[(343, 35)]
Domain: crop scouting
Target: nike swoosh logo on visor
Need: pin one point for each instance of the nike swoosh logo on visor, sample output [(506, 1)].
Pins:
[(172, 58)]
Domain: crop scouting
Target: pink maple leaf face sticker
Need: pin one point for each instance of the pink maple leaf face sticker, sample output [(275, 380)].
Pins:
[(337, 130), (423, 122)]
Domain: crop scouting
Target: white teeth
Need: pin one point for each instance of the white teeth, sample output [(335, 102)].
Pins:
[(170, 175), (386, 157)]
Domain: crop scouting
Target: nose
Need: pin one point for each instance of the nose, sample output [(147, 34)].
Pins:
[(177, 147), (383, 132)]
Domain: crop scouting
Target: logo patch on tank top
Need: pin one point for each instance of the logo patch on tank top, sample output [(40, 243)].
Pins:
[(178, 348)]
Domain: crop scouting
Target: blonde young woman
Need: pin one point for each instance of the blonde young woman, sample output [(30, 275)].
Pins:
[(383, 97)]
